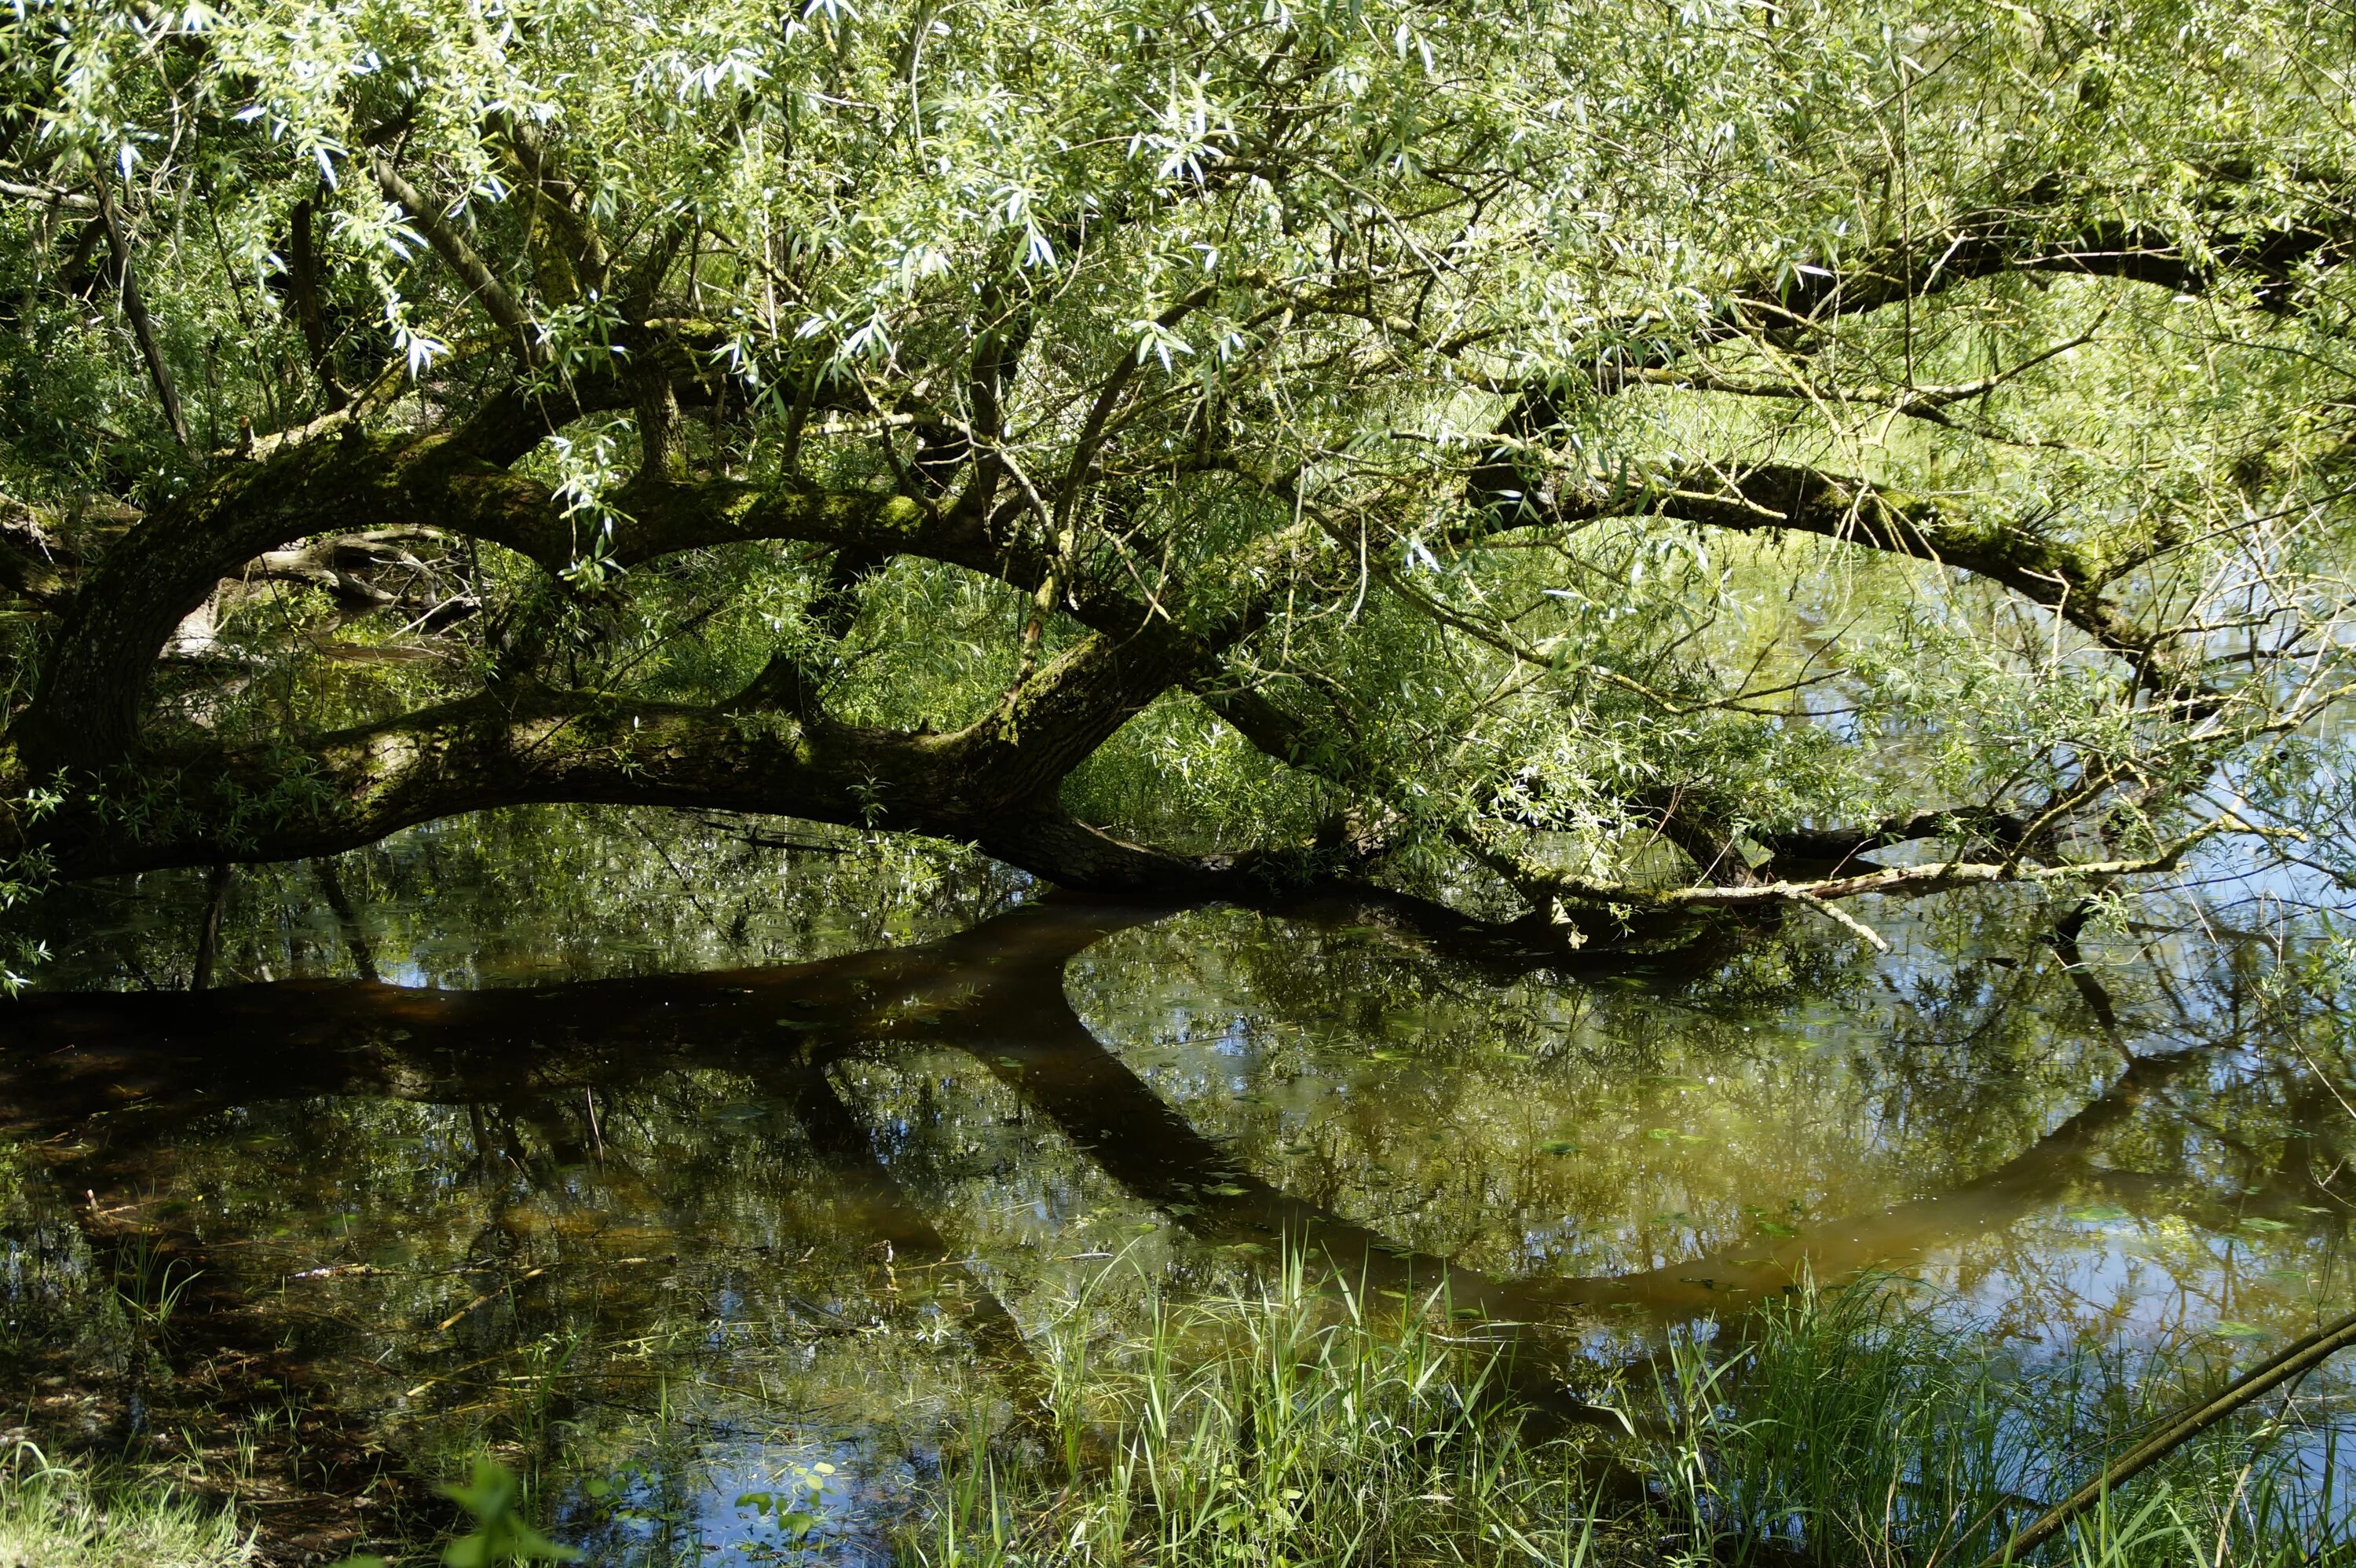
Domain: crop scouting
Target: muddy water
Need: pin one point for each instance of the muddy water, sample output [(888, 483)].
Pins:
[(667, 1163)]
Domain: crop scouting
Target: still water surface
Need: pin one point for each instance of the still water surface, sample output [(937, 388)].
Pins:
[(673, 1161)]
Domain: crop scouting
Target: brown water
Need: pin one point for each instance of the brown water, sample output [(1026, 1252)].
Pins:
[(670, 1162)]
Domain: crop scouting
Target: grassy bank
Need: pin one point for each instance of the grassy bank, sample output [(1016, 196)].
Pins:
[(59, 1515), (1289, 1427), (1280, 1429)]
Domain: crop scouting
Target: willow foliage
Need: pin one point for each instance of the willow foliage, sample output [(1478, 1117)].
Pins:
[(1576, 458)]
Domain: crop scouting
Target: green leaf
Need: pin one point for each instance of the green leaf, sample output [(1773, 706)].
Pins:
[(503, 1536)]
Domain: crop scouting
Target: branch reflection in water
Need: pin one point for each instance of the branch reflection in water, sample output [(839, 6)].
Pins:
[(668, 1205)]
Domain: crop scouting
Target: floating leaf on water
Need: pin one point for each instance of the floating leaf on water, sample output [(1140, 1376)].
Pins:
[(2100, 1214)]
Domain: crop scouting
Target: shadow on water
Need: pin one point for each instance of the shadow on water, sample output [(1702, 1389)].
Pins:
[(666, 1236)]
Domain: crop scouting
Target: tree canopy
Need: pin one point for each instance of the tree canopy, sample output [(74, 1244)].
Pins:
[(1574, 460)]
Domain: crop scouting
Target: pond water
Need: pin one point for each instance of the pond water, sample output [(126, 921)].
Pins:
[(688, 1159)]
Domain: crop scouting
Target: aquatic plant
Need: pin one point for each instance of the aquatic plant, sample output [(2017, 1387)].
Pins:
[(1838, 1426), (1851, 1424), (1255, 1427)]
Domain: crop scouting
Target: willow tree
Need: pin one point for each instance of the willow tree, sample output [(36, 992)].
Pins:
[(1573, 458)]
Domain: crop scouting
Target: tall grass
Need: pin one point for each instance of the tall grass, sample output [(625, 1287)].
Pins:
[(1849, 1427), (1284, 1427), (54, 1515)]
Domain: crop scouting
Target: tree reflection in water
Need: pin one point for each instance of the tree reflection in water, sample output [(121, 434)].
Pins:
[(668, 1221)]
